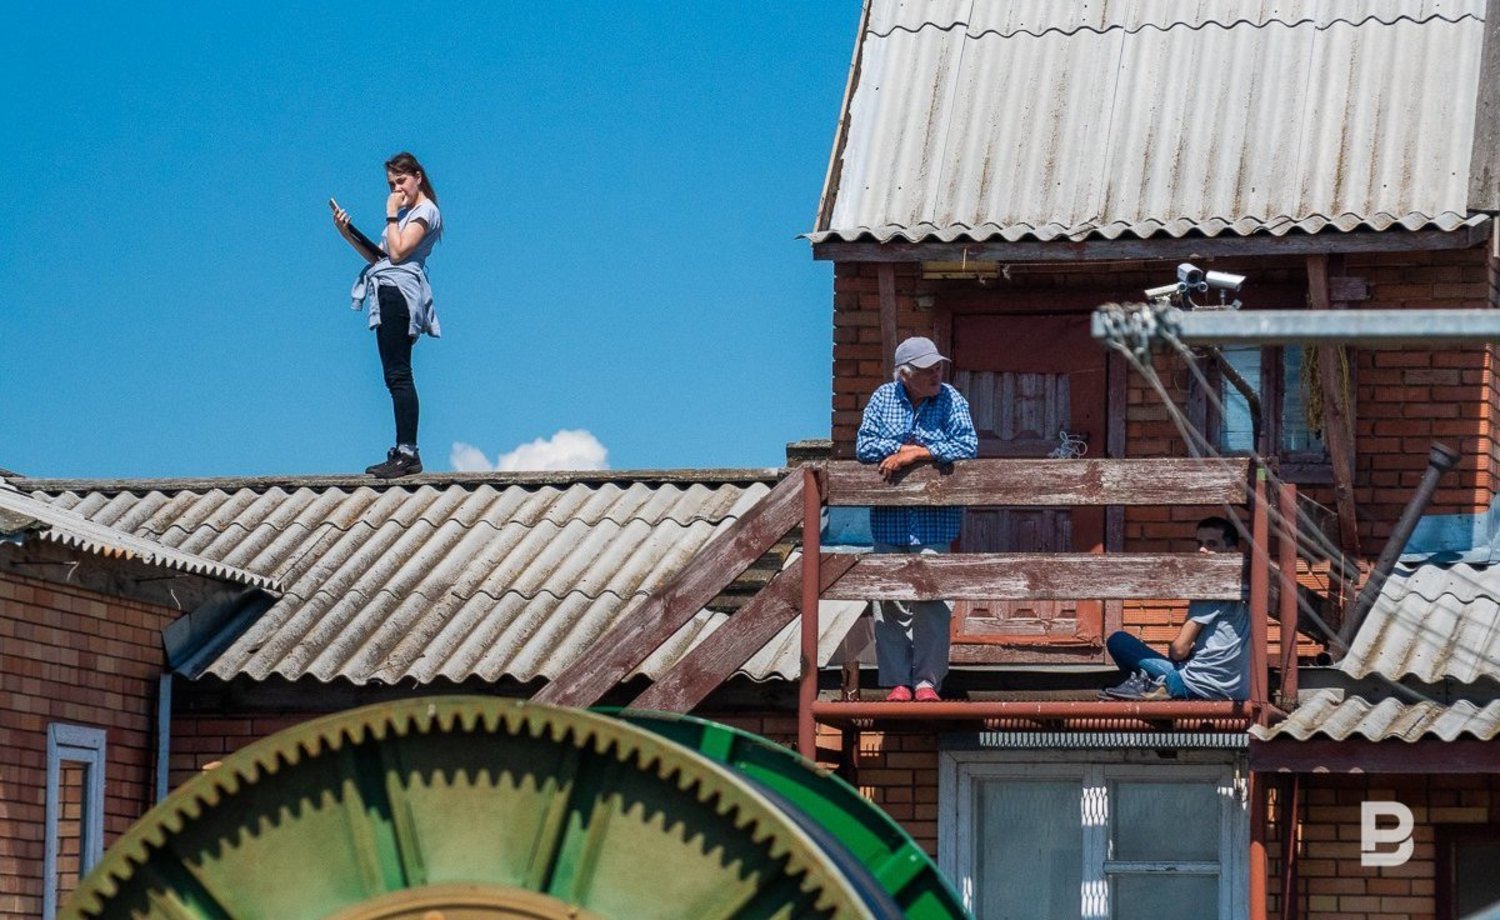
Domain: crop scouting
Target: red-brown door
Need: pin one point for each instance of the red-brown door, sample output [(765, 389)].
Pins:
[(1028, 379)]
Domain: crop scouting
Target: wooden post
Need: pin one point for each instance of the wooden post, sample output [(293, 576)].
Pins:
[(1260, 589), (1287, 544), (812, 525)]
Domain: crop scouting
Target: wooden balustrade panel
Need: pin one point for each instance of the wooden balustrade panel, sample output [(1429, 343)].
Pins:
[(1023, 576), (1044, 483)]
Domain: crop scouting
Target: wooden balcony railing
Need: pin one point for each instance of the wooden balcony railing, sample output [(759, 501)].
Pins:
[(800, 498)]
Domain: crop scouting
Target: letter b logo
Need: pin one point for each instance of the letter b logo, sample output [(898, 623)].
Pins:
[(1372, 837)]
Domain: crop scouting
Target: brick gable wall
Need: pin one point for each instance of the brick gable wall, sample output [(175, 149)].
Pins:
[(1333, 885), (83, 658)]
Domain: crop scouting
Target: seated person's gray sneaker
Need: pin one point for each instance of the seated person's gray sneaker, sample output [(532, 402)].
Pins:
[(1130, 689)]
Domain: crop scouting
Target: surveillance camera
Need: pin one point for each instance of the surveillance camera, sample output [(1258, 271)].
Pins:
[(1163, 292), (1224, 280), (1191, 277)]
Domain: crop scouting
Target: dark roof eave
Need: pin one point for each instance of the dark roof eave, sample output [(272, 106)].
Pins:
[(868, 249)]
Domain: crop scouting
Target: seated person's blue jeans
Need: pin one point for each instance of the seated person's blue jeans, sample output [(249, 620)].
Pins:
[(1131, 655)]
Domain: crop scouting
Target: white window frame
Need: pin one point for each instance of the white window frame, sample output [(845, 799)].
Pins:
[(73, 744), (960, 770)]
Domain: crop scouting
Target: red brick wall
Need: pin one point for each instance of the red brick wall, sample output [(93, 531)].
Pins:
[(899, 773), (74, 656), (200, 739), (1332, 885)]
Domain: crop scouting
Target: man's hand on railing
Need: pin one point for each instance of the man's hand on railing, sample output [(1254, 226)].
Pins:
[(905, 455)]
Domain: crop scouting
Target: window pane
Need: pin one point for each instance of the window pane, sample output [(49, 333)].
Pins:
[(1295, 435), (1165, 897), (1166, 821), (1236, 432), (1476, 885), (1028, 850)]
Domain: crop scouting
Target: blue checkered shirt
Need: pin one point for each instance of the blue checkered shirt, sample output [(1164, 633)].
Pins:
[(943, 426)]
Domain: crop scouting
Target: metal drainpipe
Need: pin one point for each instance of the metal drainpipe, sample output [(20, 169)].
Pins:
[(163, 734), (1440, 459)]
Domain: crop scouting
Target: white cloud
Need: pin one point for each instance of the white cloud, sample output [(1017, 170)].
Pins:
[(466, 458), (569, 449)]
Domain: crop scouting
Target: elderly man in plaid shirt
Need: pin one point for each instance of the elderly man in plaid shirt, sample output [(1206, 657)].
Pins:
[(915, 417)]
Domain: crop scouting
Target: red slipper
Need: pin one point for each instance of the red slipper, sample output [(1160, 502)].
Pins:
[(927, 695), (899, 695)]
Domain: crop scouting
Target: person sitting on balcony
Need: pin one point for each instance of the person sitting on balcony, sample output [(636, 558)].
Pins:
[(1209, 659), (912, 419)]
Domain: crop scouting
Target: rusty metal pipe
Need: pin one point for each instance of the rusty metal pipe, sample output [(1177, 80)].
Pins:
[(1291, 791), (1258, 863), (1035, 709), (807, 690), (1287, 545), (1440, 459), (1260, 591)]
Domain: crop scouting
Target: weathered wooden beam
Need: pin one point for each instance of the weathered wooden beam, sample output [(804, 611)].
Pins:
[(1228, 244), (1338, 427), (1044, 482), (698, 673), (1040, 576), (610, 659)]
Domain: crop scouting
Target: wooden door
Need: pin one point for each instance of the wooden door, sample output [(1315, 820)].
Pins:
[(1028, 378)]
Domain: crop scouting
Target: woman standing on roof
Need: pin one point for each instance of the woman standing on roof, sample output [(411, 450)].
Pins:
[(394, 287)]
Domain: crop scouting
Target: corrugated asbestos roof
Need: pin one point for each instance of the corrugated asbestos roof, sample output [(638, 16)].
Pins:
[(1432, 622), (448, 581), (1330, 716), (25, 518), (1039, 120)]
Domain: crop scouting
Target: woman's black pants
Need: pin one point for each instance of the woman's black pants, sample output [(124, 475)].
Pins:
[(395, 359)]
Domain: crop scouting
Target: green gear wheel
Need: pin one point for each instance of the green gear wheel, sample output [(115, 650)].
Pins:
[(844, 822), (467, 808)]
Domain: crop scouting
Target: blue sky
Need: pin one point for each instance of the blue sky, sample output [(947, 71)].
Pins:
[(622, 186)]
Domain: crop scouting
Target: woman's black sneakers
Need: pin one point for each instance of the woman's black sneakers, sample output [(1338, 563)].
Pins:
[(374, 468), (399, 463)]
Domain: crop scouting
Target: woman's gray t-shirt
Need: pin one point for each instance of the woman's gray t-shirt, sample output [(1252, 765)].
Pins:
[(409, 276)]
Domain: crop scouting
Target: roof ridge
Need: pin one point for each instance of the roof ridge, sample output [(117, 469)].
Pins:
[(1262, 23), (528, 479)]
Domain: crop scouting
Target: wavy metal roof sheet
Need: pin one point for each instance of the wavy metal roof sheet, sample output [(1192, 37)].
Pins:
[(448, 581), (23, 517), (1432, 622), (1329, 715), (1037, 120)]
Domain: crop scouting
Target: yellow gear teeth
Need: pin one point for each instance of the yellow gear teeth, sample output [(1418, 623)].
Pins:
[(516, 800)]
